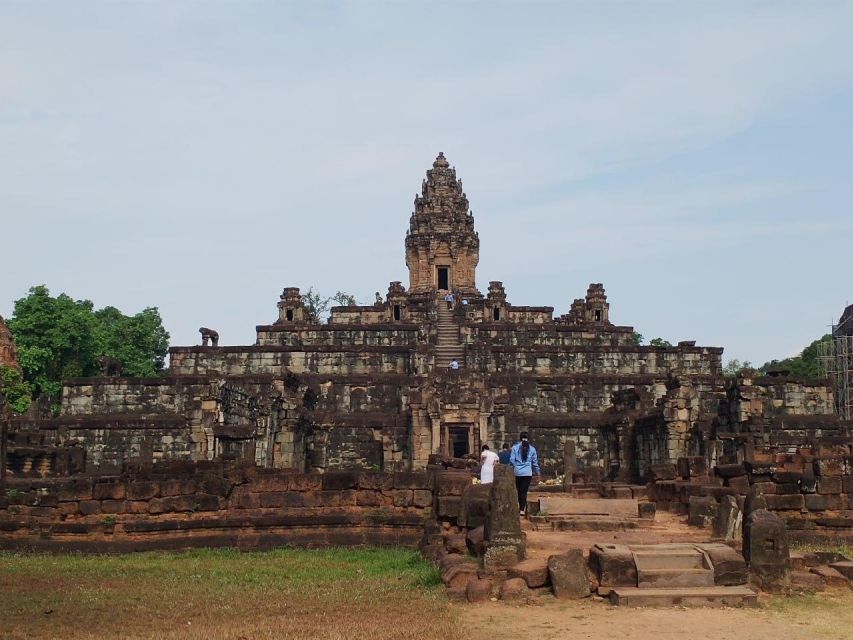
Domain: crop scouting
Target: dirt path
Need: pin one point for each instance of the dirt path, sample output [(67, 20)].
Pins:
[(828, 616)]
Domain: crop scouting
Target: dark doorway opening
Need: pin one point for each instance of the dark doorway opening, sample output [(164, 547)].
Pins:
[(443, 278), (496, 314), (289, 314), (597, 315), (396, 312), (459, 442)]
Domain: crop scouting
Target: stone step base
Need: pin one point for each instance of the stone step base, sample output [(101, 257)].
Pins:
[(584, 523), (674, 578), (688, 597), (681, 559)]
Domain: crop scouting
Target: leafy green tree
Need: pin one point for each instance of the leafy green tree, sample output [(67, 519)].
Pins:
[(637, 338), (318, 307), (659, 342), (735, 366), (16, 393), (806, 364), (139, 342), (59, 337)]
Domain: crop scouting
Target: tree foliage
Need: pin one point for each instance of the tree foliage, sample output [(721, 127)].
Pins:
[(806, 364), (318, 307), (659, 342), (637, 338), (59, 337), (16, 393), (734, 366)]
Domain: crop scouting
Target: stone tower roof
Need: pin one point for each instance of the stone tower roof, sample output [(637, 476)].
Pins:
[(441, 233), (8, 354)]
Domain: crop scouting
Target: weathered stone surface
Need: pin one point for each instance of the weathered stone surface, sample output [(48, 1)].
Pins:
[(729, 565), (702, 511), (844, 567), (730, 470), (646, 510), (614, 565), (474, 506), (475, 541), (663, 471), (830, 575), (456, 543), (567, 573), (479, 590), (786, 503), (765, 547), (503, 535), (806, 582), (534, 572), (729, 522), (514, 590), (8, 353), (459, 575)]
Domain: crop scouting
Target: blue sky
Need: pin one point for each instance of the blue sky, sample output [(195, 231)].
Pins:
[(200, 156)]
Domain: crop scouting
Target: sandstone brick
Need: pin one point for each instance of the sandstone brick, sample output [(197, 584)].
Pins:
[(829, 484), (402, 498), (113, 506), (785, 503), (89, 507), (109, 491), (142, 490)]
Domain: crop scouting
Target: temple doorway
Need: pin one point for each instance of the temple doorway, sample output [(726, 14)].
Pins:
[(459, 441), (443, 278)]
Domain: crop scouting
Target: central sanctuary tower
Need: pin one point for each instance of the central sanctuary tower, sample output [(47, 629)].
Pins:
[(442, 248)]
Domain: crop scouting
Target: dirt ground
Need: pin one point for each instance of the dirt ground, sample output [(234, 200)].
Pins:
[(828, 616)]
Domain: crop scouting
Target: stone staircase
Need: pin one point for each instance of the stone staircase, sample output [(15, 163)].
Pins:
[(448, 344), (672, 574)]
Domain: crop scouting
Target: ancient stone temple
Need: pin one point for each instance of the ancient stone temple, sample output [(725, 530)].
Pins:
[(8, 354), (371, 388)]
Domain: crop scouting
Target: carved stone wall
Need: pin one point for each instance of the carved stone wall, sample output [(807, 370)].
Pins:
[(8, 353), (364, 391)]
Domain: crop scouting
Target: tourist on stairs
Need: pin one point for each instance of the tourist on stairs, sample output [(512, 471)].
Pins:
[(488, 460), (525, 464), (503, 456)]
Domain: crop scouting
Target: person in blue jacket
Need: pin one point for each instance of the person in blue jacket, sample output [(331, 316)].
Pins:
[(525, 464)]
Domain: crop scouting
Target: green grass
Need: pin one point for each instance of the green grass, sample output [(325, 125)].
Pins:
[(223, 594), (844, 549)]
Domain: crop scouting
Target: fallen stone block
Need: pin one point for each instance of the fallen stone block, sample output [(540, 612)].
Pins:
[(514, 590), (614, 565), (806, 582), (534, 572), (567, 573), (478, 590), (833, 577), (730, 470), (702, 511), (664, 471), (646, 510), (844, 567), (459, 575)]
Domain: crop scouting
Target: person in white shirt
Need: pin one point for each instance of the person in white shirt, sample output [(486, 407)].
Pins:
[(488, 460), (454, 365)]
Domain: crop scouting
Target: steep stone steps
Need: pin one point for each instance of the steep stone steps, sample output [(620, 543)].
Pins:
[(672, 566), (448, 344)]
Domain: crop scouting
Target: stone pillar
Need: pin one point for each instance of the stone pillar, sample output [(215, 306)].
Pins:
[(505, 544), (570, 463), (436, 434), (484, 430), (765, 547)]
